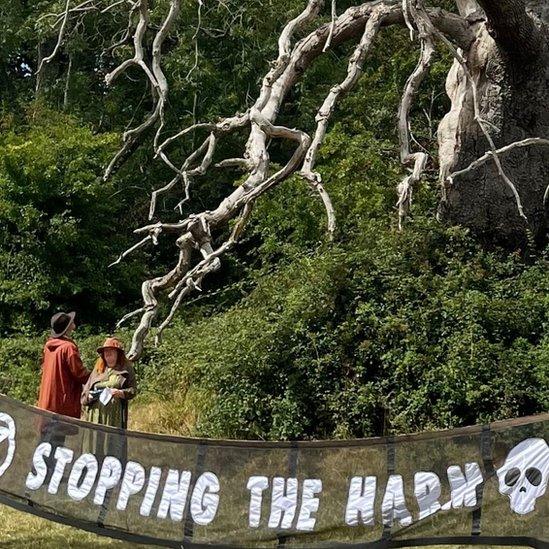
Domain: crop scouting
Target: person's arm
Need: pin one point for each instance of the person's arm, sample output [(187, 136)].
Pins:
[(130, 387), (85, 398), (76, 367)]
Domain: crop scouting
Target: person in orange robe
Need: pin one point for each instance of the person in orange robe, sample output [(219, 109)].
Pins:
[(63, 373)]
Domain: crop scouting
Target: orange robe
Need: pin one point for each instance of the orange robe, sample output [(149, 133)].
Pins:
[(62, 378)]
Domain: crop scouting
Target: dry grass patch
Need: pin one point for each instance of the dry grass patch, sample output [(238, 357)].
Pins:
[(172, 416)]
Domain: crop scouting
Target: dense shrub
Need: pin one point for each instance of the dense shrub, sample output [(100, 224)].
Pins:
[(416, 331), (413, 331), (20, 368), (59, 226)]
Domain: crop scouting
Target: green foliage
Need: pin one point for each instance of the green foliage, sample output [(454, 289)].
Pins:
[(416, 331), (378, 332), (59, 227), (20, 368)]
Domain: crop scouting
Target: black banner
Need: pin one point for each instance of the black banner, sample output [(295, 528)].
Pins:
[(475, 485)]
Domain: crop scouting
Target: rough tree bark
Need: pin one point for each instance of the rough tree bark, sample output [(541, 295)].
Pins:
[(509, 61), (493, 143)]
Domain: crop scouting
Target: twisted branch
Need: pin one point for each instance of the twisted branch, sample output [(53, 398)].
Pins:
[(197, 235), (326, 111), (60, 37), (418, 159), (196, 231), (154, 74)]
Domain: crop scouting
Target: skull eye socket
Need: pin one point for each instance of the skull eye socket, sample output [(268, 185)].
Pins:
[(534, 476), (512, 476)]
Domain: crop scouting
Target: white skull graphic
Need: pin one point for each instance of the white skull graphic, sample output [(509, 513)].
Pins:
[(523, 477)]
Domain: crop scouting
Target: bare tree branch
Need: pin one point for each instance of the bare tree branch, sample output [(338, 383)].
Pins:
[(154, 74), (161, 82), (326, 110), (140, 244), (332, 27), (196, 230), (201, 238), (490, 154), (419, 159), (60, 37)]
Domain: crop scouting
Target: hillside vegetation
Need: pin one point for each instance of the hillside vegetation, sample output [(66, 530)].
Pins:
[(377, 332)]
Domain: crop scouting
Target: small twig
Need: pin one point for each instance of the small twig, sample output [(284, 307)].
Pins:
[(130, 250), (195, 39), (60, 37), (332, 26), (489, 155)]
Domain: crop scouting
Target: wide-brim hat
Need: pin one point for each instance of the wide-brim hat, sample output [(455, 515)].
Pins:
[(60, 323), (112, 343)]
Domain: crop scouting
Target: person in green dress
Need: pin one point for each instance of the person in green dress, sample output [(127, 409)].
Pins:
[(114, 376)]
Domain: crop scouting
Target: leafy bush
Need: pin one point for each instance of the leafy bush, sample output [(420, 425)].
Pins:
[(20, 368), (416, 331), (59, 227)]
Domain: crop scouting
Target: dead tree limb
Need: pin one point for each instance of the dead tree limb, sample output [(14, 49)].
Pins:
[(196, 230), (200, 238)]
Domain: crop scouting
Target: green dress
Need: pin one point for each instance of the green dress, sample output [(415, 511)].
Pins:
[(113, 414)]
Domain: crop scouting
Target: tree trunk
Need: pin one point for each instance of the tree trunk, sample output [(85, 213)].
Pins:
[(509, 62)]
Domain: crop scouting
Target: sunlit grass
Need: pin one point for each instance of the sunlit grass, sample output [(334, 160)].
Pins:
[(21, 530)]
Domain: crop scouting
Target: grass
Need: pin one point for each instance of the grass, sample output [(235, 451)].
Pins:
[(157, 416), (21, 531)]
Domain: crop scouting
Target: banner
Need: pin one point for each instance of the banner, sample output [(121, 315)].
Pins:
[(475, 485)]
